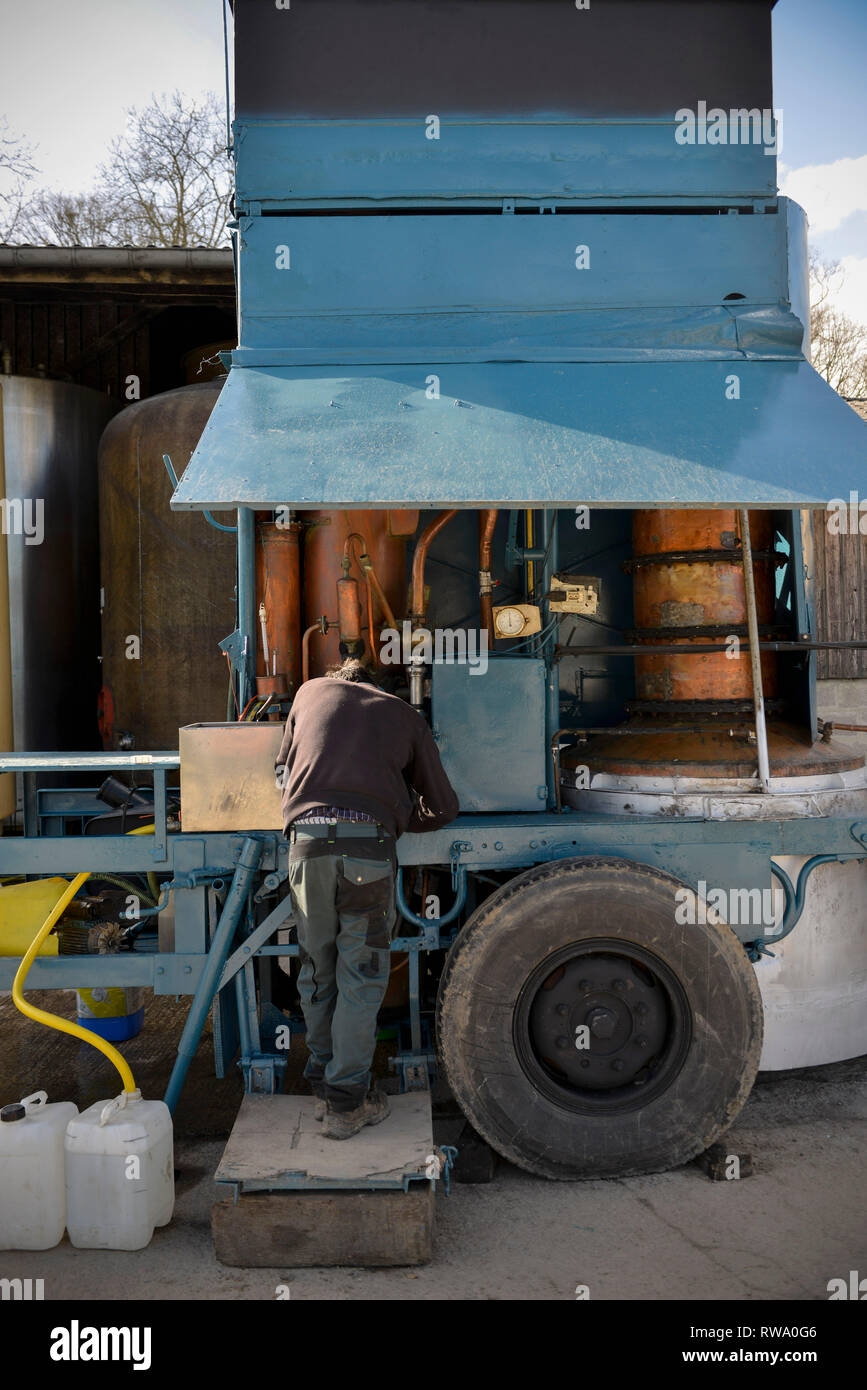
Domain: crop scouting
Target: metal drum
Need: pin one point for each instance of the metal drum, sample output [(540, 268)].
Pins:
[(51, 432), (168, 578)]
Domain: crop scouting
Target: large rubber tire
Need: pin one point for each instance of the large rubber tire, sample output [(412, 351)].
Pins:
[(542, 927)]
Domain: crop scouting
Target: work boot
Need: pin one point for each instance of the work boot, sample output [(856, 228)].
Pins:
[(342, 1124), (319, 1108)]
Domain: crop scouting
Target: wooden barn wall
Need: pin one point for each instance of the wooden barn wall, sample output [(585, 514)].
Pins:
[(96, 344), (840, 596)]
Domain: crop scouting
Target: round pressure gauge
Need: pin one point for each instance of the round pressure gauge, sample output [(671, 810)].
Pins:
[(510, 622)]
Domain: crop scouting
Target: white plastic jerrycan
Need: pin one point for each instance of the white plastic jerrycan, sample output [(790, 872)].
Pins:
[(120, 1178), (32, 1187)]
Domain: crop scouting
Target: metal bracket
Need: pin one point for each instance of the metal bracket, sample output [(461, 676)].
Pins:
[(233, 646), (270, 884), (263, 1074), (280, 915), (448, 1154), (457, 849), (415, 1070), (201, 878)]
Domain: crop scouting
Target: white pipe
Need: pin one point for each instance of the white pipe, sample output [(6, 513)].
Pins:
[(755, 653)]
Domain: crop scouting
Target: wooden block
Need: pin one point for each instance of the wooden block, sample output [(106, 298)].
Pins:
[(300, 1229), (476, 1161)]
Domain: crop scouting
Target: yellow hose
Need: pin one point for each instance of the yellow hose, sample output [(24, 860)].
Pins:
[(63, 1025), (153, 885)]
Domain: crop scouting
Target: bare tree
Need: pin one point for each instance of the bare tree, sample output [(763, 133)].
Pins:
[(169, 178), (839, 344), (166, 182), (65, 219), (16, 171)]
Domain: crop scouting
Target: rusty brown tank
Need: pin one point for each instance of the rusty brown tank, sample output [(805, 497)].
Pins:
[(688, 583), (168, 578), (325, 536)]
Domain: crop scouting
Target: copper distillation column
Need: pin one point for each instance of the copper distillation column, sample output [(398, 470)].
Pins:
[(694, 711), (368, 550), (688, 584), (278, 607), (690, 590), (701, 715)]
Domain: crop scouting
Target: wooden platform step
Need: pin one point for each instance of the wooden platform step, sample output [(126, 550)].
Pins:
[(295, 1198), (360, 1230)]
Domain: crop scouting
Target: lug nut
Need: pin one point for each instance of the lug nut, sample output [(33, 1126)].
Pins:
[(562, 1042), (602, 1023), (562, 1010), (585, 1061), (619, 985), (585, 986), (617, 1065), (641, 1009), (641, 1042)]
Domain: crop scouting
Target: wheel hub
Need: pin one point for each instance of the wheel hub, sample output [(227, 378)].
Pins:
[(599, 1021), (603, 1025)]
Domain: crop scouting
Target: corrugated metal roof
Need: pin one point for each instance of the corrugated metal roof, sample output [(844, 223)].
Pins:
[(53, 246)]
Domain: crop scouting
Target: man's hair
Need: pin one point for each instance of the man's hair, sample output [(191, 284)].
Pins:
[(351, 669)]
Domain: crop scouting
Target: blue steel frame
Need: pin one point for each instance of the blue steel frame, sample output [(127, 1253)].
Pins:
[(232, 865)]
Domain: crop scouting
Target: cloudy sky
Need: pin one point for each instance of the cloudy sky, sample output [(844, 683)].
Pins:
[(68, 71)]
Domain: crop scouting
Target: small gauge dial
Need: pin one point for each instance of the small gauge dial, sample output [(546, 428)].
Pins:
[(510, 622)]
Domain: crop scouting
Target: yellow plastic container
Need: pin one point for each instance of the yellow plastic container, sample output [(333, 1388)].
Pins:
[(23, 909)]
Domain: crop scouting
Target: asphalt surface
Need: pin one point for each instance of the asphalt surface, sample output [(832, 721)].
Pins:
[(782, 1233)]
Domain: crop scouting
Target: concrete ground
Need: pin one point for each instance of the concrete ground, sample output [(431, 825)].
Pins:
[(782, 1233)]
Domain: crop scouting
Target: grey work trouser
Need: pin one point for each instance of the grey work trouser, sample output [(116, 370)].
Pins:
[(344, 906)]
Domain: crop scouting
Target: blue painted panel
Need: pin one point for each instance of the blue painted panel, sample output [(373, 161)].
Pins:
[(798, 292), (429, 279), (490, 731), (528, 434), (296, 161), (555, 335)]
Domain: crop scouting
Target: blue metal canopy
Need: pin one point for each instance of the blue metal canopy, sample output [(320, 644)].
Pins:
[(616, 434)]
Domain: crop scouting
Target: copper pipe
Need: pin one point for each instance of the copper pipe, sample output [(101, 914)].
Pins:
[(347, 546), (418, 562), (322, 626), (487, 523), (366, 565), (278, 587), (384, 604), (371, 636)]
